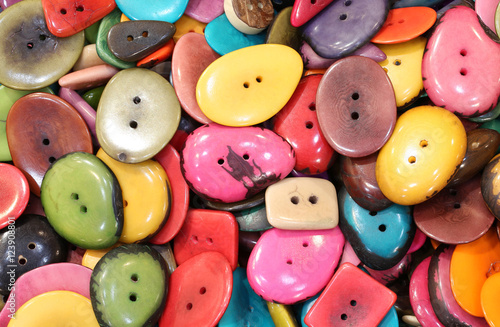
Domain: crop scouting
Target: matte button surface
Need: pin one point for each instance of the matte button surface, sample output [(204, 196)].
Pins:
[(361, 117), (424, 152), (460, 58), (137, 116), (83, 201), (45, 57), (167, 11), (204, 10), (15, 193), (288, 266), (68, 17), (404, 24), (146, 195), (129, 286), (207, 230), (352, 298), (253, 219), (344, 26), (249, 86), (88, 58), (469, 266), (282, 32), (302, 203), (88, 78), (199, 291), (404, 68), (41, 128), (55, 308), (314, 154), (229, 164), (192, 55), (134, 40)]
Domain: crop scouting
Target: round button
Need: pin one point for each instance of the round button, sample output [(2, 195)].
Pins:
[(15, 193)]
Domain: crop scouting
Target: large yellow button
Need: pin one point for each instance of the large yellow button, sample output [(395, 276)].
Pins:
[(250, 85), (423, 153), (490, 301), (146, 197), (404, 68), (55, 309)]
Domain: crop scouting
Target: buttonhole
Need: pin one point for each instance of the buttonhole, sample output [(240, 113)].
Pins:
[(347, 3), (194, 239), (246, 85), (133, 297), (145, 34), (203, 290), (258, 79), (220, 161), (456, 205), (355, 115), (79, 8), (343, 17), (74, 196), (210, 241), (63, 11), (122, 156), (463, 52), (134, 278), (250, 6), (83, 209), (130, 38), (313, 199), (133, 124), (305, 244), (412, 159), (189, 306), (42, 37), (353, 303), (46, 141), (137, 100), (289, 262), (246, 156), (30, 45), (312, 106), (401, 21), (397, 62), (343, 316), (52, 159), (22, 260), (373, 213), (382, 228), (260, 5), (463, 71), (309, 125), (424, 143), (453, 192), (355, 96), (31, 246), (294, 199)]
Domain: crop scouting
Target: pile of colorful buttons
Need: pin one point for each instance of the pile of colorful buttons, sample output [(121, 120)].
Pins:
[(249, 163)]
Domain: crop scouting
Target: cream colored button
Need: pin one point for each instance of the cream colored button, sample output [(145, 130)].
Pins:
[(302, 203), (249, 16)]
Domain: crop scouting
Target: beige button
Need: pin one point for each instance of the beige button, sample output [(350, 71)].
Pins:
[(302, 203), (88, 58)]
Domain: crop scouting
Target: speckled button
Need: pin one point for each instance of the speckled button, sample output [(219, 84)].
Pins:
[(42, 127), (137, 116), (45, 57), (250, 85), (361, 117), (302, 203), (249, 16)]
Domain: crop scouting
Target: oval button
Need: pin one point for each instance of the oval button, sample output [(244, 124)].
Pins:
[(15, 194), (250, 85)]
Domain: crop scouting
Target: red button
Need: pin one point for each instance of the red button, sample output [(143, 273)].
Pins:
[(14, 192)]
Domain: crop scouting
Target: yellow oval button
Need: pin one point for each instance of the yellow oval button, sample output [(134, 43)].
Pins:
[(469, 266), (282, 315), (250, 85), (55, 309), (422, 154), (404, 68), (185, 25), (146, 197)]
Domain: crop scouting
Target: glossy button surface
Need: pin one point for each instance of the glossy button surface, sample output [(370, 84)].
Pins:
[(83, 201), (68, 17), (282, 32), (204, 10), (249, 16), (288, 266), (41, 128), (460, 59), (129, 286), (137, 116), (229, 164), (191, 56), (351, 298), (361, 117), (304, 10), (302, 203), (455, 215), (207, 230), (489, 300), (489, 185), (364, 229), (55, 308), (404, 68), (314, 154), (344, 26), (167, 11), (404, 24), (45, 57), (199, 291), (423, 153), (146, 195), (469, 266), (15, 193), (249, 86)]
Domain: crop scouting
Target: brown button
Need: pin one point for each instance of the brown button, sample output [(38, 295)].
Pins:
[(249, 16)]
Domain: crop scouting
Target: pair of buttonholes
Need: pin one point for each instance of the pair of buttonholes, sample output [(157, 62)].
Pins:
[(381, 227), (259, 4), (463, 71), (305, 244), (21, 259), (453, 192), (313, 199), (347, 3), (76, 197), (143, 34), (63, 11), (258, 79), (221, 160), (189, 306), (133, 296), (312, 107), (413, 159), (195, 240), (41, 37), (344, 315), (133, 124), (401, 21), (47, 142)]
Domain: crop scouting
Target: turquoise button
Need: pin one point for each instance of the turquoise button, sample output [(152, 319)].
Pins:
[(380, 239), (246, 308), (83, 201), (223, 38), (167, 11)]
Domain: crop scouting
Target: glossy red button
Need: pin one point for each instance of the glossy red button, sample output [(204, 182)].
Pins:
[(14, 193), (207, 230), (199, 291)]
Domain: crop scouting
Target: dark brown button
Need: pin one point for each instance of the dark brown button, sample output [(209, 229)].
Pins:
[(455, 215), (281, 31), (482, 144), (42, 127), (358, 175), (356, 106), (490, 183), (134, 40)]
